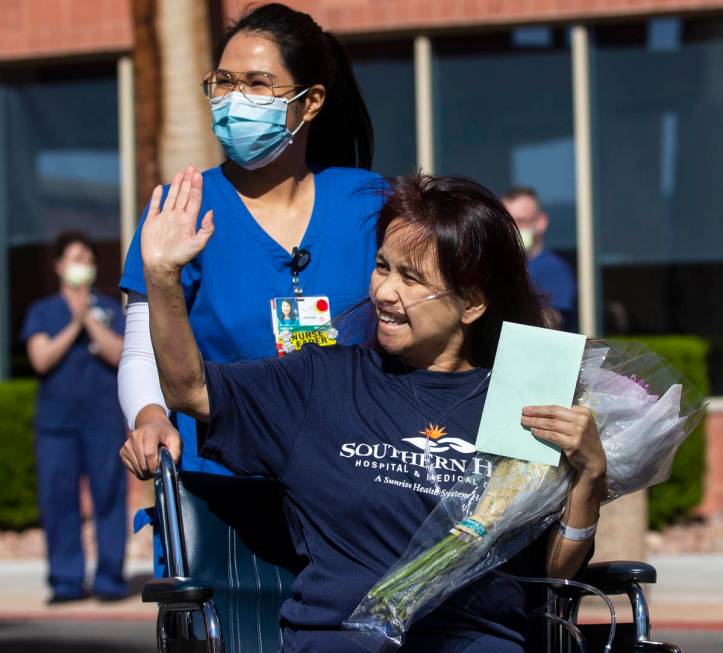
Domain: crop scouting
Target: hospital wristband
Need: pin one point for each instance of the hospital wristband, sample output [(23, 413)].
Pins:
[(576, 534)]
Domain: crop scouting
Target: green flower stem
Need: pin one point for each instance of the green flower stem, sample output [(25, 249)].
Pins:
[(423, 573), (414, 566), (411, 567), (428, 574)]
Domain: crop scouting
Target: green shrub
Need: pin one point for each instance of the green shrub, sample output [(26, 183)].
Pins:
[(18, 494), (675, 499)]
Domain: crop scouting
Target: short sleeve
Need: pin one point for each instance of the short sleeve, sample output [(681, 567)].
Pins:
[(133, 280), (33, 323), (257, 409), (118, 324)]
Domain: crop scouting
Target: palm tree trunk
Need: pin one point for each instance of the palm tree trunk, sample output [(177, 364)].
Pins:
[(147, 76), (184, 39), (172, 51)]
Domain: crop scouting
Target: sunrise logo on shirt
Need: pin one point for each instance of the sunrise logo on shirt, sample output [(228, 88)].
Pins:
[(439, 441)]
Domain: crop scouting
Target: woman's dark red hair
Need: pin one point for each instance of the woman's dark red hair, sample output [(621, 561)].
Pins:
[(478, 248)]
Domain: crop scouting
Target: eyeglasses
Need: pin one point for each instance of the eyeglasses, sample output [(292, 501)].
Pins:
[(257, 87)]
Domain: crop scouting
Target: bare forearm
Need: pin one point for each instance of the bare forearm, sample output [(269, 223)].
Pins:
[(151, 413), (45, 352), (564, 556), (180, 368), (109, 344)]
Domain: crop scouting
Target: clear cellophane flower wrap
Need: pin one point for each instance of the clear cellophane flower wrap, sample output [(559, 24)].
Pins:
[(643, 409)]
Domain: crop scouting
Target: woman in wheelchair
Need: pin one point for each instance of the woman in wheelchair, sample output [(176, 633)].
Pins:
[(339, 427)]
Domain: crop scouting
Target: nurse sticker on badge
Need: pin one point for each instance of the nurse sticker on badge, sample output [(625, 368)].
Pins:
[(298, 320)]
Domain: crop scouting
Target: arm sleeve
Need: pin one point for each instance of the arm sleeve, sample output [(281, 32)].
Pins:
[(138, 384), (132, 279), (257, 410)]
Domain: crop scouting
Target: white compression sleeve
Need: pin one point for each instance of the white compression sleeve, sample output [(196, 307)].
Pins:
[(138, 384)]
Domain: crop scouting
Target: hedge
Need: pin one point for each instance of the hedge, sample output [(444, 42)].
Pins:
[(18, 493), (675, 499)]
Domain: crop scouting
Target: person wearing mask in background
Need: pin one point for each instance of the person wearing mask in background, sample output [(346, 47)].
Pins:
[(74, 344), (284, 104), (549, 273)]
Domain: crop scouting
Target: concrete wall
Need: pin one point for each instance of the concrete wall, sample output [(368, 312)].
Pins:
[(712, 505)]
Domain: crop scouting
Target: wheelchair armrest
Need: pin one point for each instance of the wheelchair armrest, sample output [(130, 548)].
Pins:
[(614, 577), (617, 576), (176, 590)]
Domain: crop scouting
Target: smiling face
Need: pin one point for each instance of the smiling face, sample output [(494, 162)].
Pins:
[(420, 320), (285, 308)]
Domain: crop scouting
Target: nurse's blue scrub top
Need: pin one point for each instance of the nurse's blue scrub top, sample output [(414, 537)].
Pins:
[(81, 390), (228, 286)]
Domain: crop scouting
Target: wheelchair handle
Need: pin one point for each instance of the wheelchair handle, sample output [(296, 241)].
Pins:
[(168, 506)]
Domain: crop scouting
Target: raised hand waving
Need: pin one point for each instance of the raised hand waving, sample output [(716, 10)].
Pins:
[(169, 238)]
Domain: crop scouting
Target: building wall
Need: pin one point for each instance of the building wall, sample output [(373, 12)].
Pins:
[(350, 16), (32, 29)]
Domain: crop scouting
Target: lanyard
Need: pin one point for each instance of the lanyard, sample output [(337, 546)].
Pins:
[(300, 259)]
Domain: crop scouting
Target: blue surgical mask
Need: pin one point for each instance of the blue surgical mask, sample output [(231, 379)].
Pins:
[(253, 135)]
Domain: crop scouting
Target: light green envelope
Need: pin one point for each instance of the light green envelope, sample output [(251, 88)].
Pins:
[(533, 367)]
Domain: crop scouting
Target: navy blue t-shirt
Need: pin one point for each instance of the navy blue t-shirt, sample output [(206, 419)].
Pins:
[(552, 277), (229, 285), (340, 429), (81, 389)]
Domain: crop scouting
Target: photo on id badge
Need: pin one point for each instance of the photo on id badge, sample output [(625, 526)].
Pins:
[(298, 320)]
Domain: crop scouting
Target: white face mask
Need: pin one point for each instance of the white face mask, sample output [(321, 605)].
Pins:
[(528, 238), (76, 275)]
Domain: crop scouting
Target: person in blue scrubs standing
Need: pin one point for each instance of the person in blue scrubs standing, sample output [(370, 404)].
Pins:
[(74, 344), (294, 207), (550, 274)]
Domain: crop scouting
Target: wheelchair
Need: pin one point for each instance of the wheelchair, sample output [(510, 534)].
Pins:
[(222, 597)]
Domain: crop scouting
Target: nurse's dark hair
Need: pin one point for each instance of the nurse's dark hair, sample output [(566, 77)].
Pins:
[(341, 134), (478, 248), (66, 238)]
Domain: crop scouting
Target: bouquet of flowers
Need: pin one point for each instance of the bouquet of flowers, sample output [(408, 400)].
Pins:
[(643, 409)]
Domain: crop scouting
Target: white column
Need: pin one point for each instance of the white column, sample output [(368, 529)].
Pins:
[(587, 284), (423, 103), (127, 145), (623, 523)]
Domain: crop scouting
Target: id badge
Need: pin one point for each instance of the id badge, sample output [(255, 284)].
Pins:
[(298, 320)]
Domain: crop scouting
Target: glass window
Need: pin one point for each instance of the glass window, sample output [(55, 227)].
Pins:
[(63, 139), (503, 115), (385, 73), (658, 148), (62, 173)]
